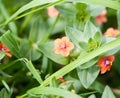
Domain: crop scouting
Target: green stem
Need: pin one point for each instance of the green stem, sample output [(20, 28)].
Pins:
[(118, 19), (82, 60), (33, 70), (51, 29), (38, 9), (21, 96)]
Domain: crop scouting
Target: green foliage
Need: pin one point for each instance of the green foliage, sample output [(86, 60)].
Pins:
[(4, 93), (33, 70), (88, 76), (29, 50), (53, 91), (9, 40), (107, 93), (107, 3), (2, 54), (36, 71)]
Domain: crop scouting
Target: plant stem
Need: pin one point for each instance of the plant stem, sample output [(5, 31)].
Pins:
[(51, 29), (38, 9), (21, 96)]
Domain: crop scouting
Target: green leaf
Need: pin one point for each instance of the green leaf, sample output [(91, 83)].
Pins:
[(44, 65), (118, 19), (98, 38), (29, 50), (38, 29), (74, 35), (81, 38), (112, 51), (89, 31), (28, 6), (6, 85), (84, 45), (4, 93), (107, 93), (48, 50), (92, 43), (10, 64), (11, 25), (81, 18), (92, 96), (95, 10), (88, 64), (107, 3), (9, 40), (52, 91), (67, 10), (88, 76), (33, 70), (2, 54), (3, 74)]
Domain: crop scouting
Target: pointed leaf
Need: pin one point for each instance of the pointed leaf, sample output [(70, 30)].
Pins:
[(88, 76), (108, 93), (33, 70), (38, 29), (88, 64), (89, 30), (118, 19), (2, 54), (74, 35), (4, 93), (92, 96), (48, 50), (28, 50), (52, 91)]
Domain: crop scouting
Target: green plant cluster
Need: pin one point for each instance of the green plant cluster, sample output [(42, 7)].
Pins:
[(33, 70)]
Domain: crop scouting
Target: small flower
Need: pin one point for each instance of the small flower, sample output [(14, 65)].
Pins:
[(62, 80), (4, 48), (105, 63), (101, 17), (63, 46), (73, 91), (52, 11), (111, 32)]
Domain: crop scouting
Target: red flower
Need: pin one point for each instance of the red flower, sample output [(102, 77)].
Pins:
[(63, 46), (101, 17), (52, 11), (105, 63), (4, 48), (62, 80), (111, 32)]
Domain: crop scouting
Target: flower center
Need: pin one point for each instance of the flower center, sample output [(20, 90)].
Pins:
[(63, 47), (2, 49), (107, 62)]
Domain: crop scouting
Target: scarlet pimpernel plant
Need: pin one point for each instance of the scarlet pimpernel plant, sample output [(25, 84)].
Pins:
[(59, 48)]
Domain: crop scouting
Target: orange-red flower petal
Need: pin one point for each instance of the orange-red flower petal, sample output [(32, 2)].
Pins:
[(105, 63), (111, 32), (52, 11), (4, 48), (101, 18), (62, 80), (63, 46)]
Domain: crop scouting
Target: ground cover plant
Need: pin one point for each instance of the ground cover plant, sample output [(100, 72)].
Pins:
[(59, 49)]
